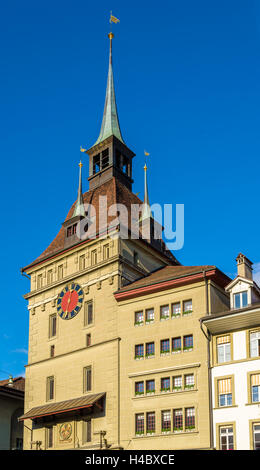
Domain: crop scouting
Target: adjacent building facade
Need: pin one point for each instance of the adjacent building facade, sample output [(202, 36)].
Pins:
[(235, 363), (11, 408)]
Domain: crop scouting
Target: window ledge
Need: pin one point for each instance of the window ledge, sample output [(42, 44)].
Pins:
[(224, 407)]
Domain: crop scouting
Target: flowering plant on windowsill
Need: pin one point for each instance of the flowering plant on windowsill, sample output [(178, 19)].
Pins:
[(166, 430), (164, 317), (187, 348), (149, 320), (176, 389), (165, 389), (178, 429), (189, 428), (137, 323), (139, 433), (139, 393), (149, 355), (187, 312), (189, 387), (176, 350), (139, 357), (175, 315), (150, 392), (165, 352), (150, 432)]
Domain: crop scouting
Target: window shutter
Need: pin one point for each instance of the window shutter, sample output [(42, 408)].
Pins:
[(224, 386)]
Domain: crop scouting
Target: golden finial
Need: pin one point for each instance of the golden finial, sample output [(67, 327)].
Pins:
[(145, 167), (80, 164), (110, 35)]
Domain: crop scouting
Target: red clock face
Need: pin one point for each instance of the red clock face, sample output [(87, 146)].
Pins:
[(70, 301)]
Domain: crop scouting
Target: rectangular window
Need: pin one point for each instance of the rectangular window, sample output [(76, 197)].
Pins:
[(225, 392), (82, 262), (96, 164), (226, 438), (190, 418), (255, 388), (240, 300), (150, 423), (149, 315), (88, 379), (176, 344), (52, 325), (49, 276), (187, 342), (150, 386), (177, 383), (49, 437), (177, 420), (39, 281), (139, 318), (105, 158), (106, 252), (165, 384), (189, 381), (223, 349), (87, 437), (255, 344), (139, 351), (166, 421), (50, 388), (149, 349), (176, 309), (60, 272), (93, 257), (187, 307), (256, 436), (139, 423), (88, 313), (88, 340), (164, 312), (165, 346), (139, 388), (52, 350)]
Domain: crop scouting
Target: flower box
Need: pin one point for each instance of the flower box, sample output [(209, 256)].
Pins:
[(176, 315), (177, 350), (176, 389), (188, 387), (139, 323), (187, 312), (139, 393), (149, 355), (190, 348), (149, 320), (139, 357)]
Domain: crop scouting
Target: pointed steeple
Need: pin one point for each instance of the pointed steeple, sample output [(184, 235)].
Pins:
[(110, 123), (79, 206), (146, 210)]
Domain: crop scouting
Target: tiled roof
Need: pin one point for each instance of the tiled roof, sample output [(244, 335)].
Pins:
[(18, 383), (165, 274), (62, 406), (116, 193)]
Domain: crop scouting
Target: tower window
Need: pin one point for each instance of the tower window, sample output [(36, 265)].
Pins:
[(87, 379), (50, 388), (105, 159), (96, 164)]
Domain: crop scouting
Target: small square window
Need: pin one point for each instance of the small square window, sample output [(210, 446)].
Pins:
[(164, 312), (176, 344), (187, 307), (139, 318), (149, 315), (165, 346), (139, 388), (150, 386), (176, 309), (139, 351), (165, 384), (177, 383)]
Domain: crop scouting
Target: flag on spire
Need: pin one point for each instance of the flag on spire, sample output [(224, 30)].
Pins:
[(113, 19)]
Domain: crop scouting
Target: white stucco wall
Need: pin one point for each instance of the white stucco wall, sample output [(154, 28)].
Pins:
[(242, 412)]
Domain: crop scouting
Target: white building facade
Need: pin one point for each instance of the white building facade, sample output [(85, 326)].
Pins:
[(234, 337)]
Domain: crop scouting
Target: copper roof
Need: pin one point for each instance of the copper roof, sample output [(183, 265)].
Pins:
[(165, 274), (62, 406), (116, 193)]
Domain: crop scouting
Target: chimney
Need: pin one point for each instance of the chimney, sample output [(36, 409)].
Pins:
[(244, 267)]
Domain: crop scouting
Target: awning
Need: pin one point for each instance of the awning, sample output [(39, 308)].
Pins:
[(62, 406)]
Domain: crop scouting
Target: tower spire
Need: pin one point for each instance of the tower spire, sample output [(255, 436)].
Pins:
[(79, 206), (146, 210), (110, 123)]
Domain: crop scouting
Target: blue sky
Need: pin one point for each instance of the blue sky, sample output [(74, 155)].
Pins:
[(187, 80)]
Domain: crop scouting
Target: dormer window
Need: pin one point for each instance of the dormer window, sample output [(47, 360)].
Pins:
[(240, 300), (71, 230)]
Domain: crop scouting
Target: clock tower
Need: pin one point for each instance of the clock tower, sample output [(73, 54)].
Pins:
[(73, 388)]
